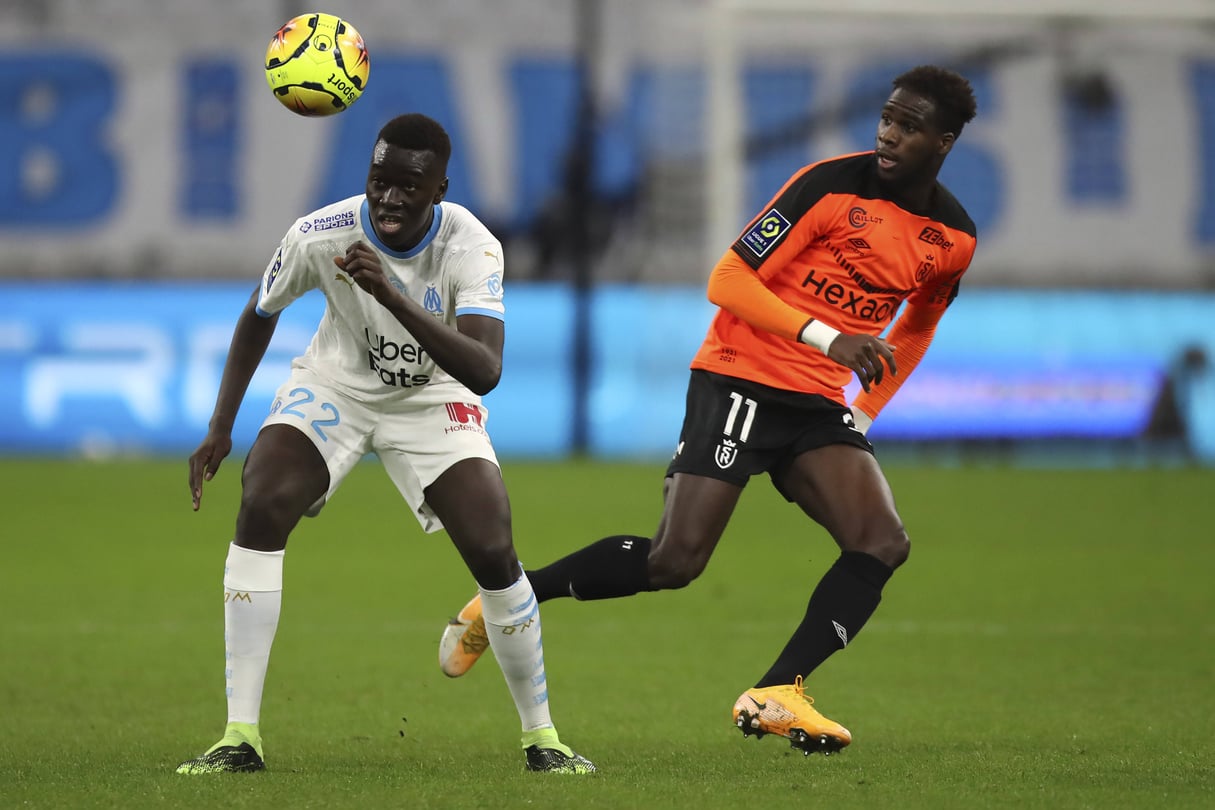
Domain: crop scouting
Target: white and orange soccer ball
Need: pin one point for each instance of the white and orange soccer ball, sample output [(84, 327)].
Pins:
[(317, 64)]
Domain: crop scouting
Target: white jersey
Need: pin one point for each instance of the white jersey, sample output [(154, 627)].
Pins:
[(359, 346)]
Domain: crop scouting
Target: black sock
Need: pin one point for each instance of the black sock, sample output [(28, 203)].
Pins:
[(611, 567), (844, 600)]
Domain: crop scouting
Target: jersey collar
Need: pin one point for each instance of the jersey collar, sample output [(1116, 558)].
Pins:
[(435, 221)]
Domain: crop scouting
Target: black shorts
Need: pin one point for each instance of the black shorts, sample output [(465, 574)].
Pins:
[(734, 429)]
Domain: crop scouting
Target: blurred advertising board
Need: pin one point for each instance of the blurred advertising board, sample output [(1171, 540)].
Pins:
[(98, 369)]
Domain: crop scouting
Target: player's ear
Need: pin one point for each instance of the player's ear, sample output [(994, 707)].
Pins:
[(947, 140), (442, 192)]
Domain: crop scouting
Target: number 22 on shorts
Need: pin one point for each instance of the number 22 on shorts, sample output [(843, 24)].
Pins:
[(299, 399)]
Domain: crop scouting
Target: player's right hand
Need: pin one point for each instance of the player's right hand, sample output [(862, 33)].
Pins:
[(363, 265), (204, 463), (867, 355)]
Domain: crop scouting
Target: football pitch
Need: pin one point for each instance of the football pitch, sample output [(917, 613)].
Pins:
[(1050, 643)]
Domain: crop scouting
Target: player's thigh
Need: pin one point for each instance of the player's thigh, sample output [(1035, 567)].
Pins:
[(843, 488), (420, 444), (283, 463), (470, 500), (314, 435), (696, 509), (732, 429), (282, 476)]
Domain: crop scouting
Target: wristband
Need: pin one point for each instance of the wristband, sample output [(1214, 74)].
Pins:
[(819, 335), (861, 420)]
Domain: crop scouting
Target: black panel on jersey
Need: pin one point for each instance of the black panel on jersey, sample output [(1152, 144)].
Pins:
[(854, 175)]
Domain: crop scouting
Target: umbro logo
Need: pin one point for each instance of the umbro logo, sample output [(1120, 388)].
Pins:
[(840, 631)]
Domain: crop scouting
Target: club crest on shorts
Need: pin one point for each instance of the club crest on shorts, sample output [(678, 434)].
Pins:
[(726, 452)]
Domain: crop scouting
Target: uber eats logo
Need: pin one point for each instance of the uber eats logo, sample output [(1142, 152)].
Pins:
[(385, 358)]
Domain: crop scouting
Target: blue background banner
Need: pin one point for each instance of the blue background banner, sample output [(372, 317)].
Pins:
[(100, 368)]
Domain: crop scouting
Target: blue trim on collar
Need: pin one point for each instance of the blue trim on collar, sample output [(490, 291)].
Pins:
[(435, 222)]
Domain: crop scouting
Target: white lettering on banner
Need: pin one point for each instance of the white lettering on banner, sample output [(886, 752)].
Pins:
[(16, 338), (129, 362), (69, 383), (206, 350)]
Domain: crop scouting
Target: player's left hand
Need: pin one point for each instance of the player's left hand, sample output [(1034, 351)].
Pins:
[(363, 265), (866, 355)]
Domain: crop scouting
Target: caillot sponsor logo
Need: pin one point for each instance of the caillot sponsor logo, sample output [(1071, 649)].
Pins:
[(858, 217)]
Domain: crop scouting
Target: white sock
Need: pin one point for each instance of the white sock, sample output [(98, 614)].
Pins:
[(512, 622), (253, 597)]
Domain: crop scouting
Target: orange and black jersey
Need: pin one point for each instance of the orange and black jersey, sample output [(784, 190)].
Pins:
[(832, 245)]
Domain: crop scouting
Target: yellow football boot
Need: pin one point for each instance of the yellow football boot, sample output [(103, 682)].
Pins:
[(788, 711), (463, 640)]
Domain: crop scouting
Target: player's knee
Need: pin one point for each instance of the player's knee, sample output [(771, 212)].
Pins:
[(890, 544), (492, 562), (670, 570), (268, 513), (279, 497), (892, 547)]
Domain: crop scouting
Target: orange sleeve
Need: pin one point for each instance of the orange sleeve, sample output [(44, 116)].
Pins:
[(910, 335), (736, 288)]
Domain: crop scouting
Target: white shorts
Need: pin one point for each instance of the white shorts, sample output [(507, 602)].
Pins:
[(416, 443)]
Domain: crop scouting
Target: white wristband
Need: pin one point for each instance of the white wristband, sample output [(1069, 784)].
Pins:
[(819, 335), (861, 420)]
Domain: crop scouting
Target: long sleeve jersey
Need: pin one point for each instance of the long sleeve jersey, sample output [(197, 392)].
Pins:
[(834, 245)]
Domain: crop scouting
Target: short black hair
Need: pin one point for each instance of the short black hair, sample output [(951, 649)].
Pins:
[(949, 91), (419, 132)]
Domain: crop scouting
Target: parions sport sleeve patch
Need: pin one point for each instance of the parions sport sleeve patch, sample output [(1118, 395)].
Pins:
[(766, 232)]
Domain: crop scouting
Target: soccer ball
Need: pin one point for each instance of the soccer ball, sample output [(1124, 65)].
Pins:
[(317, 64)]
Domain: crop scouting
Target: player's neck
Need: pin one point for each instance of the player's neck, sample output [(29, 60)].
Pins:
[(917, 196)]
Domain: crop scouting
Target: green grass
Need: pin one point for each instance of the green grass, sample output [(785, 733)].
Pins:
[(1050, 644)]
